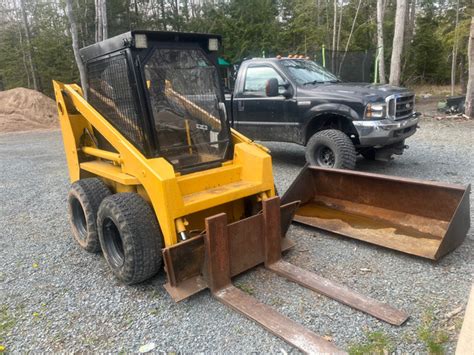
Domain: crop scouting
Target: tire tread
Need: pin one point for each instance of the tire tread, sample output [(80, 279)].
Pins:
[(140, 232), (343, 143), (90, 192)]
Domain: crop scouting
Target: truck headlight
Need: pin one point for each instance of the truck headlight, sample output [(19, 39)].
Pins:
[(375, 111)]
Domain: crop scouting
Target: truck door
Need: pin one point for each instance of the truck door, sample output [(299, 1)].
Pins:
[(258, 116)]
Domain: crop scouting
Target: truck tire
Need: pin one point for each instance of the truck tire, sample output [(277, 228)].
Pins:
[(130, 237), (84, 199), (331, 148)]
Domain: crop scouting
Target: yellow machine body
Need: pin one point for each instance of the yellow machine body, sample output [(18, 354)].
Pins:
[(181, 202)]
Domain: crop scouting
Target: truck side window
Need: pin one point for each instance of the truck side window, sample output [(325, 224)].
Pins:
[(256, 80)]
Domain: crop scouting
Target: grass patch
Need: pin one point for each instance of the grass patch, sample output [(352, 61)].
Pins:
[(435, 90), (7, 322), (155, 311), (376, 343), (433, 338), (246, 288), (277, 302)]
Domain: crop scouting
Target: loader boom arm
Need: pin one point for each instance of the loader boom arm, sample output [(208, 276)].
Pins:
[(248, 173)]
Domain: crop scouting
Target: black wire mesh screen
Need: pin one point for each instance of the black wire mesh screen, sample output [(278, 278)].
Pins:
[(110, 92), (185, 96), (353, 66)]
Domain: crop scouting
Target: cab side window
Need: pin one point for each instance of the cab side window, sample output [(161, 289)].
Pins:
[(256, 80)]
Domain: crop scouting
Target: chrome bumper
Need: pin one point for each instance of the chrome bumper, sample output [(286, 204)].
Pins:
[(385, 132)]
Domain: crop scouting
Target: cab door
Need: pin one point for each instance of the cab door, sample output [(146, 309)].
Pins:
[(260, 117)]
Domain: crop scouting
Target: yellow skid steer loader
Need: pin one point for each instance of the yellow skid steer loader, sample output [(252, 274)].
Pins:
[(159, 177)]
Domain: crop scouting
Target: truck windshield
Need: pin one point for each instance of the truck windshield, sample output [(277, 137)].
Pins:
[(187, 103), (307, 72)]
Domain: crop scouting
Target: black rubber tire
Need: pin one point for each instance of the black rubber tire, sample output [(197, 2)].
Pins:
[(130, 237), (84, 199), (337, 143), (368, 154)]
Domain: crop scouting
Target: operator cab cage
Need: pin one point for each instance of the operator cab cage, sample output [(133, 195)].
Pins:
[(162, 91)]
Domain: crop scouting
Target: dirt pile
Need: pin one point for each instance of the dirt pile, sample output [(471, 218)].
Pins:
[(25, 110)]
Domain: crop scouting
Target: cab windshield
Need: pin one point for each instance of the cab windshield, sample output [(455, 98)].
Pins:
[(187, 104), (307, 72)]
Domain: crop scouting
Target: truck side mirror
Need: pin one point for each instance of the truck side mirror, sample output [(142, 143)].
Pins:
[(271, 87)]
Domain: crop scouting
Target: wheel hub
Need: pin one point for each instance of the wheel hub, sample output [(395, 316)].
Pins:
[(113, 243), (79, 218), (325, 157)]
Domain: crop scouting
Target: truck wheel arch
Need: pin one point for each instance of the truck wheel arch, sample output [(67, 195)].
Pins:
[(330, 120)]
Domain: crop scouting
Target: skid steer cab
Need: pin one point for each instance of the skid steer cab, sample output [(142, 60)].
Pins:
[(158, 177)]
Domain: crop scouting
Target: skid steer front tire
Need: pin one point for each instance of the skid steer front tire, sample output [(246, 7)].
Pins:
[(130, 237), (84, 199)]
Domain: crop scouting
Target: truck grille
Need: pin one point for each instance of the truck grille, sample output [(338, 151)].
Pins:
[(401, 106)]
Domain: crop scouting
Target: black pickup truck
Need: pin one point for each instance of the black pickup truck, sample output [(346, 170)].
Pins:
[(296, 100)]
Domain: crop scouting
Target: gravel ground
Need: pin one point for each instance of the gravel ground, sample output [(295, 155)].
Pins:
[(55, 297)]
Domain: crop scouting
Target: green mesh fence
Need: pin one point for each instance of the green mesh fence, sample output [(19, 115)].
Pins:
[(353, 66)]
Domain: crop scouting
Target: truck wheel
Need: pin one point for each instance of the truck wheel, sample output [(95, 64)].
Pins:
[(331, 149), (130, 237), (84, 199)]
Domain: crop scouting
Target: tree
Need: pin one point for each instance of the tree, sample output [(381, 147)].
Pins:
[(470, 84), (350, 36), (75, 43), (397, 46), (334, 31), (339, 27), (380, 49), (36, 36), (426, 55), (454, 53), (411, 22), (101, 25), (29, 51)]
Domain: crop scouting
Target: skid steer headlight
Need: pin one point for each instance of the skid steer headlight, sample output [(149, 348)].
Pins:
[(375, 111), (213, 44), (140, 41)]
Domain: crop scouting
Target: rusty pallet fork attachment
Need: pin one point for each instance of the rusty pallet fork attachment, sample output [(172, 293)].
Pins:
[(423, 218), (260, 238)]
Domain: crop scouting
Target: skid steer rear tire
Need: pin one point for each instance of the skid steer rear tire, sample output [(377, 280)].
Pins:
[(130, 237), (331, 148), (84, 199)]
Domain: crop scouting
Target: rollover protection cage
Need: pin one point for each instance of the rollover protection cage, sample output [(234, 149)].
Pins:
[(183, 119)]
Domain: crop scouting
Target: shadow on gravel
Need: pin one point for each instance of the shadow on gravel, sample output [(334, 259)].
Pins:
[(296, 158), (288, 157)]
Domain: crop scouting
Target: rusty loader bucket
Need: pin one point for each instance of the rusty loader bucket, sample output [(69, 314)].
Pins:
[(225, 250), (422, 218)]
